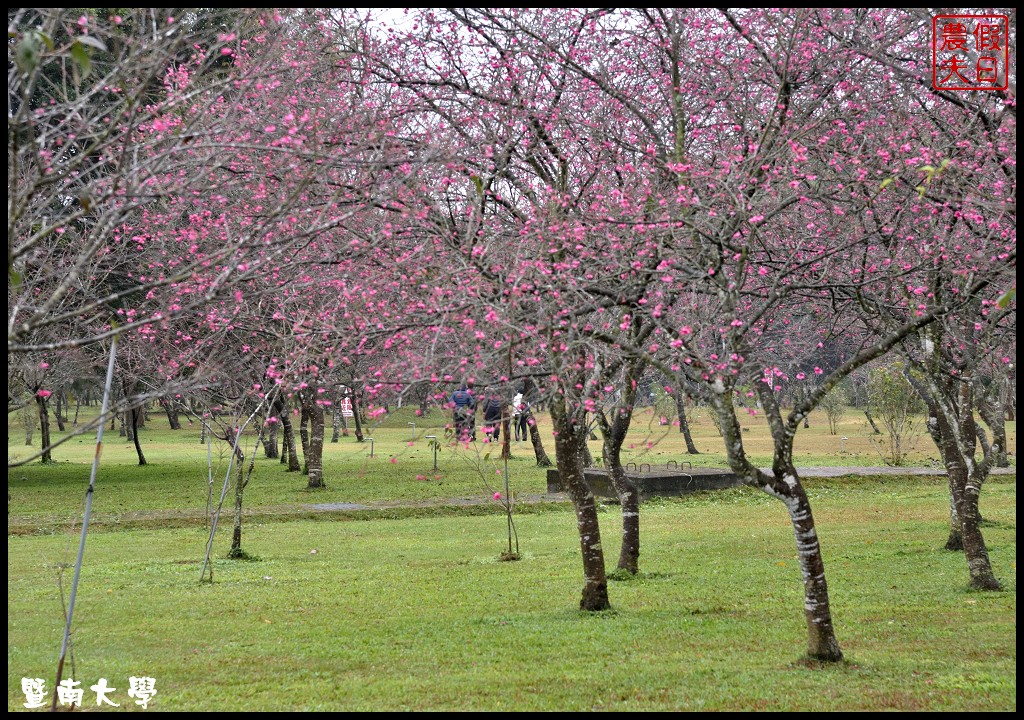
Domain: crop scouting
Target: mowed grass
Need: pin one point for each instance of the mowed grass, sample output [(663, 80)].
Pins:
[(648, 441), (419, 614), (401, 469)]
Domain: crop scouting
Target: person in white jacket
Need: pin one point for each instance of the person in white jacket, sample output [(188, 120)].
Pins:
[(519, 415)]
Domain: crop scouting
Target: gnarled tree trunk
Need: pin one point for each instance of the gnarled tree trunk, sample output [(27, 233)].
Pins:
[(270, 436), (135, 412), (950, 402), (506, 429), (569, 442), (629, 499), (956, 472), (965, 486), (784, 484), (356, 411), (314, 450), (336, 421), (171, 409), (871, 420), (993, 413), (304, 431), (684, 424), (538, 445), (613, 435), (59, 407), (44, 428), (289, 456)]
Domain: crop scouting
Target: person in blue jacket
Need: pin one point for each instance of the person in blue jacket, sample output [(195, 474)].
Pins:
[(463, 412), (493, 408)]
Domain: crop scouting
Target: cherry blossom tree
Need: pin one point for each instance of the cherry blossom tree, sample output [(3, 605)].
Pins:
[(745, 175), (951, 182), (752, 205), (188, 166)]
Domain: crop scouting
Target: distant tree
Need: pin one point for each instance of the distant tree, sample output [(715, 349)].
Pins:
[(899, 409), (834, 404)]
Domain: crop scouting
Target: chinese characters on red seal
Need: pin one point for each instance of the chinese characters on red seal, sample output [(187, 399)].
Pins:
[(970, 52)]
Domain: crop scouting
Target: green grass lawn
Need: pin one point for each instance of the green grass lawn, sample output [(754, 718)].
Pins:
[(419, 614), (648, 441), (401, 467)]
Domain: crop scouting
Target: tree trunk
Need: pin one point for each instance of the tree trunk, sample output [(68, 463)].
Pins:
[(236, 533), (785, 485), (336, 421), (629, 499), (360, 407), (356, 418), (44, 430), (241, 481), (538, 446), (59, 406), (588, 458), (570, 439), (171, 409), (978, 564), (78, 404), (994, 416), (955, 540), (684, 424), (965, 487), (315, 451), (135, 435), (871, 420), (955, 470), (270, 437), (949, 403), (28, 420), (821, 638), (289, 456), (613, 436), (240, 486), (304, 431), (284, 435), (506, 429)]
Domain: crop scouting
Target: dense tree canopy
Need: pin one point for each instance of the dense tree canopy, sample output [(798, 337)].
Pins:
[(755, 205)]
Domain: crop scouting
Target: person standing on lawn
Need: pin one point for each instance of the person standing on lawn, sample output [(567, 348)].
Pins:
[(492, 414), (463, 410), (519, 417)]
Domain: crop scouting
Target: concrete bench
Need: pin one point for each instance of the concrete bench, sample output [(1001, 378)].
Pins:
[(653, 482)]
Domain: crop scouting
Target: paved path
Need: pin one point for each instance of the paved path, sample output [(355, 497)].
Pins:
[(823, 472), (555, 497)]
